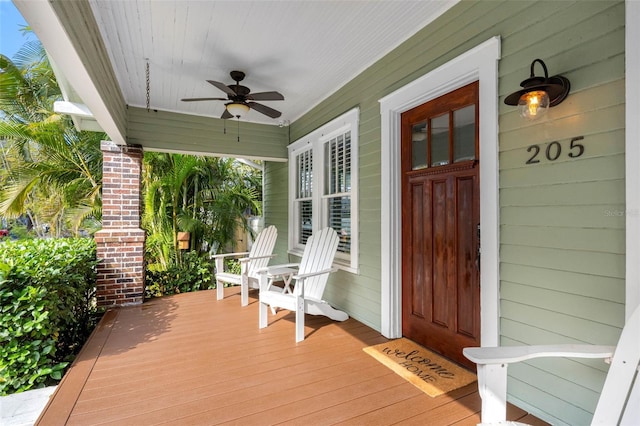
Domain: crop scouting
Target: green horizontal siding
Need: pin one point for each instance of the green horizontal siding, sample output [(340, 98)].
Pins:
[(565, 238), (571, 304), (562, 222), (168, 131), (552, 392), (578, 283), (528, 324), (594, 263), (605, 192), (275, 206), (602, 160), (562, 225)]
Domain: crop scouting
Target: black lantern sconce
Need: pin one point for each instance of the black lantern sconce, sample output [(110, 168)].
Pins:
[(538, 94)]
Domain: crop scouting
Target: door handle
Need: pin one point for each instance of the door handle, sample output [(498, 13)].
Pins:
[(478, 249)]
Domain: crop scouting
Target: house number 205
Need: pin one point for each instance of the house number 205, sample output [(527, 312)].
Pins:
[(554, 149)]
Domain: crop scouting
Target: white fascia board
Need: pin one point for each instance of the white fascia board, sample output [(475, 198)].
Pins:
[(48, 28)]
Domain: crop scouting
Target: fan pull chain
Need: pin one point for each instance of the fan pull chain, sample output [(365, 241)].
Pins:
[(148, 87), (238, 129)]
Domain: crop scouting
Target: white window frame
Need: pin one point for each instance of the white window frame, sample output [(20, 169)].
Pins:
[(315, 141)]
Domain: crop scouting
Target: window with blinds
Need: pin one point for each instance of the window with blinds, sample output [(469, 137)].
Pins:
[(303, 201), (323, 187), (337, 198)]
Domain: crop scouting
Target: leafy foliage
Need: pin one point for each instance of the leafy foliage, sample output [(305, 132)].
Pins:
[(194, 273), (46, 308), (207, 197), (50, 172)]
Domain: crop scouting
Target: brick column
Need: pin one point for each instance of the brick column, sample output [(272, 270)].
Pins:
[(120, 242)]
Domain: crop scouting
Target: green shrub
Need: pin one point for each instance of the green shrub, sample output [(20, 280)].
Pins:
[(232, 265), (46, 308), (195, 273)]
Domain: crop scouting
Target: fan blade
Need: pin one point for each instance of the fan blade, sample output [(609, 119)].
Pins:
[(264, 109), (203, 99), (226, 114), (222, 87), (266, 96)]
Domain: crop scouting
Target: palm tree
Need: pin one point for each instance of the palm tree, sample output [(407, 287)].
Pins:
[(205, 196), (53, 172), (236, 192)]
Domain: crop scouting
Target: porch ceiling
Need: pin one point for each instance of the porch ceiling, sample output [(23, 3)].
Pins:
[(304, 49)]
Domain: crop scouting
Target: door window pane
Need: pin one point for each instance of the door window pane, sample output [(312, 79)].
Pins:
[(464, 133), (419, 146), (440, 140)]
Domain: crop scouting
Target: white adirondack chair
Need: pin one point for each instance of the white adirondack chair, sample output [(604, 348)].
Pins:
[(619, 402), (250, 263), (310, 280)]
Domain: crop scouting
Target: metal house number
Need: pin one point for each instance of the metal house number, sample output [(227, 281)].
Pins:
[(553, 151)]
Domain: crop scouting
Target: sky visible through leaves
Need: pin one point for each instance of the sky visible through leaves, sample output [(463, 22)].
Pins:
[(11, 38)]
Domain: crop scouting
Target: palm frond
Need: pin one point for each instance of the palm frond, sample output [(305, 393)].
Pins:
[(14, 197)]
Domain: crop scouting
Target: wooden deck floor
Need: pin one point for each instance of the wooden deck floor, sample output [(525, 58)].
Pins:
[(189, 359)]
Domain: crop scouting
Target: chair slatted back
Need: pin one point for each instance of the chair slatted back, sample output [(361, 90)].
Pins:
[(262, 246), (619, 401), (318, 255)]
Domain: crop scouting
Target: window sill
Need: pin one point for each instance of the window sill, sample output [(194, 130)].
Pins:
[(342, 264)]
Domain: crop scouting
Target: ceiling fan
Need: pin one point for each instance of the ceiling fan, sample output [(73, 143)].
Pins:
[(241, 99)]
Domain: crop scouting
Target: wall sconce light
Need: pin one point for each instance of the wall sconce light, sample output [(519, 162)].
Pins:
[(538, 94), (237, 109)]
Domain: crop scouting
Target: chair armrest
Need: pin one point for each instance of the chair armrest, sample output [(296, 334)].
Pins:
[(222, 256), (247, 259), (266, 269), (312, 274), (511, 354)]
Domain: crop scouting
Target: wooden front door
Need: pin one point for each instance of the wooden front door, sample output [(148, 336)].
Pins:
[(441, 224)]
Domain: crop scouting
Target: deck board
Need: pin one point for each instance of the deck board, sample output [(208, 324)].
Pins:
[(190, 359)]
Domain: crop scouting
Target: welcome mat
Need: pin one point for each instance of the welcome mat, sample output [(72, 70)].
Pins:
[(426, 370)]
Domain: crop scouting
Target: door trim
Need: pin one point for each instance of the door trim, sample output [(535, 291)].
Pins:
[(479, 63), (632, 156)]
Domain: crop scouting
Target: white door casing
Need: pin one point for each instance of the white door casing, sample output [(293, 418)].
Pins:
[(632, 156), (479, 63)]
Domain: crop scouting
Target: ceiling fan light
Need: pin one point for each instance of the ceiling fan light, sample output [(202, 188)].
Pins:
[(237, 109)]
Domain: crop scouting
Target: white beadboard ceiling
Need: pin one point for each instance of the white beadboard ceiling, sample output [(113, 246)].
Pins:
[(306, 50)]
